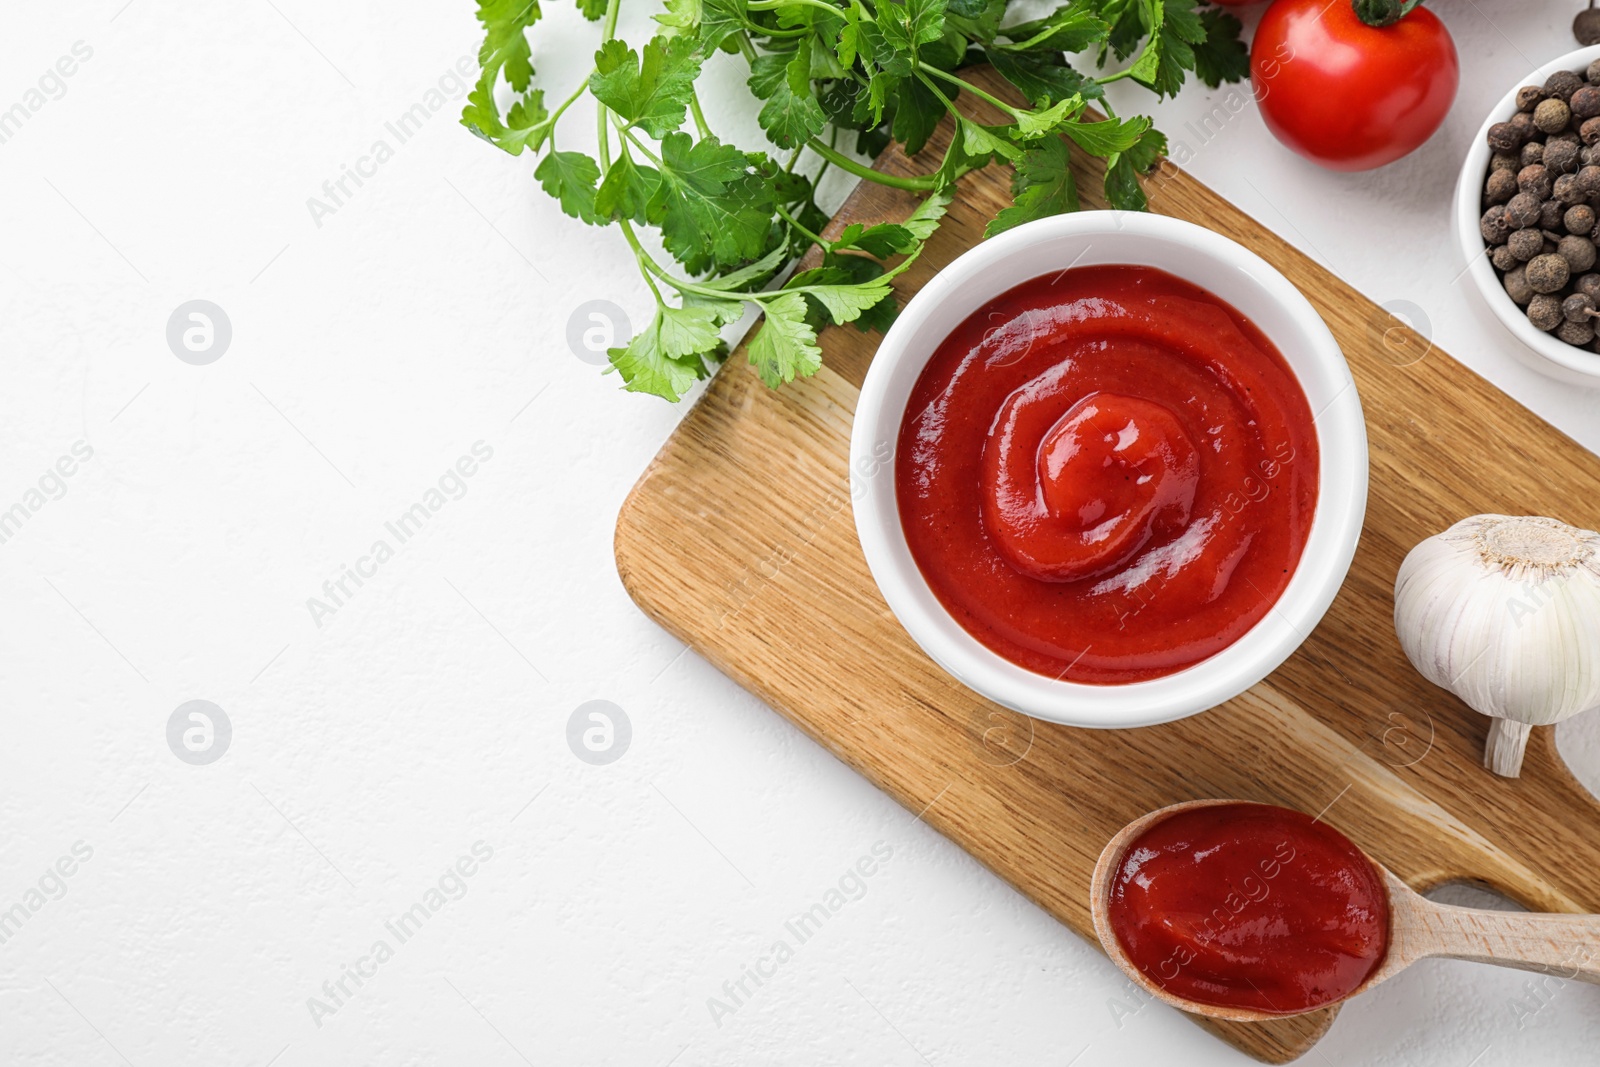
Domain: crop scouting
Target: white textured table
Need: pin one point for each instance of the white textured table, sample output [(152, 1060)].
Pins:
[(399, 859)]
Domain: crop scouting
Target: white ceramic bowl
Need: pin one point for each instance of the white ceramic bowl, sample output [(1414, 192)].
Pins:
[(1548, 353), (1204, 258)]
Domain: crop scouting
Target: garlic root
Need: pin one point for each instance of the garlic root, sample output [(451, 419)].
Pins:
[(1508, 740)]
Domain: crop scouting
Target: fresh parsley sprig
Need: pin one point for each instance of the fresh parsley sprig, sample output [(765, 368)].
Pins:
[(733, 220)]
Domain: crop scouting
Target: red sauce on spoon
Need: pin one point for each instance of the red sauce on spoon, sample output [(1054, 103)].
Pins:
[(1250, 906)]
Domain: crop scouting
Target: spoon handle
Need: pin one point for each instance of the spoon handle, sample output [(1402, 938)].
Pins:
[(1565, 946)]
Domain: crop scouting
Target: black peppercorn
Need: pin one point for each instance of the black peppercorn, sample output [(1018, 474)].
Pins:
[(1566, 190), (1517, 287), (1521, 210), (1510, 161), (1589, 180), (1561, 157), (1525, 244), (1585, 103), (1575, 333), (1531, 153), (1586, 27), (1589, 286), (1524, 124), (1577, 308), (1536, 179), (1562, 84), (1528, 97), (1593, 73), (1587, 155), (1503, 260), (1548, 273), (1503, 137), (1502, 186), (1544, 311), (1579, 252), (1580, 218), (1590, 130), (1551, 116), (1550, 213)]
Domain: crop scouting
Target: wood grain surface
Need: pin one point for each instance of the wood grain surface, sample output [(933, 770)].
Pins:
[(739, 540)]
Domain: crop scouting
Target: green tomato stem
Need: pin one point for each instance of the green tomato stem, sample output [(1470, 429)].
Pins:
[(1381, 13)]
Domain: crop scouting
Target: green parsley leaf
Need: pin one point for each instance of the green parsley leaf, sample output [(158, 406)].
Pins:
[(1031, 125), (665, 358), (845, 303), (1042, 186), (785, 348), (1122, 185), (1067, 29), (925, 219), (505, 43), (906, 24), (1169, 53), (1147, 151), (627, 190), (747, 276), (526, 126), (789, 118), (883, 240), (1109, 137), (978, 140), (680, 19), (977, 19), (1222, 56), (1044, 78), (652, 90), (917, 113), (592, 9), (710, 203), (570, 177)]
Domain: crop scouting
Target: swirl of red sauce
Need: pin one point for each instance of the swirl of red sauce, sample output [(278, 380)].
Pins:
[(1107, 475)]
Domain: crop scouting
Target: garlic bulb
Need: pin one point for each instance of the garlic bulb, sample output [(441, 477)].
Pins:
[(1505, 613)]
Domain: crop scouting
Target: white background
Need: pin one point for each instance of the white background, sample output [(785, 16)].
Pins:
[(368, 353)]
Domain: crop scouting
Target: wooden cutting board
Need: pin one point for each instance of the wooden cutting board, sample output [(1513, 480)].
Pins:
[(739, 541)]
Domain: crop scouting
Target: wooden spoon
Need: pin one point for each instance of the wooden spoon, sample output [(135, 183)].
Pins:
[(1567, 946)]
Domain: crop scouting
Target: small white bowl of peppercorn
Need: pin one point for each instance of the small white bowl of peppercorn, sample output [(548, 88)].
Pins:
[(1528, 214)]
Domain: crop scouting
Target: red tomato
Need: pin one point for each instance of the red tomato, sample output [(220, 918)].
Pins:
[(1348, 95)]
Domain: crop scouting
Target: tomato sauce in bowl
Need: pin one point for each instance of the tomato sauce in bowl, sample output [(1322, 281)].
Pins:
[(1107, 475)]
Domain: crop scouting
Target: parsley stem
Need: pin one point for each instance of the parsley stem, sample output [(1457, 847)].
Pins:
[(792, 221), (773, 5), (569, 101), (699, 116), (642, 258), (965, 86), (640, 145), (922, 184)]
